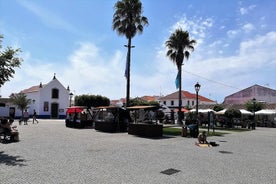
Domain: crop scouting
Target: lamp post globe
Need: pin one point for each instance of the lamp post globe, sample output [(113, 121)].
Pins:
[(70, 97)]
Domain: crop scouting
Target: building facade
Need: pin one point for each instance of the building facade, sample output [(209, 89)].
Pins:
[(260, 93), (188, 100)]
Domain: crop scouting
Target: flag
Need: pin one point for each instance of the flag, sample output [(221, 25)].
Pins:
[(177, 80)]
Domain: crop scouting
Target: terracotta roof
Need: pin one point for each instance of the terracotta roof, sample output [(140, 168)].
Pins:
[(4, 100), (187, 95), (32, 89), (148, 98)]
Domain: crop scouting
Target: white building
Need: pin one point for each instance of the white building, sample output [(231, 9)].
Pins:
[(48, 100), (188, 100)]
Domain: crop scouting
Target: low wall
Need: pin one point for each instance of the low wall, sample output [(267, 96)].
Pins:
[(145, 130)]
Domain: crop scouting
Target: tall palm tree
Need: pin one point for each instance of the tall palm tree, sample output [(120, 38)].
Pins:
[(179, 46), (127, 21)]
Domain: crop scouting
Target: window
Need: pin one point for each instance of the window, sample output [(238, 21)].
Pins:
[(55, 93), (172, 102), (164, 102), (193, 103), (188, 103), (46, 106)]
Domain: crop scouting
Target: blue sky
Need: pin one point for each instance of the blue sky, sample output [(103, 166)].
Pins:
[(236, 46)]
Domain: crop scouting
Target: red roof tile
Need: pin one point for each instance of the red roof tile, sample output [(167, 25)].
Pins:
[(186, 94), (148, 98), (31, 89)]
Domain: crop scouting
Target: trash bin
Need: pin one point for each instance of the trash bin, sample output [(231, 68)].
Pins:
[(184, 131), (193, 130)]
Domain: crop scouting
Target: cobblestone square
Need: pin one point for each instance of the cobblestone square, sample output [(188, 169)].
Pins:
[(49, 152)]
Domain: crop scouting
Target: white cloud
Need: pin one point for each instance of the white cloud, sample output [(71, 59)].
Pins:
[(260, 47), (86, 71), (248, 27), (243, 11), (89, 72), (246, 10), (197, 27), (232, 33)]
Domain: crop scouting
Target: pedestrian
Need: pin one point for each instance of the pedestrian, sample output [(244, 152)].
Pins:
[(25, 117), (34, 117)]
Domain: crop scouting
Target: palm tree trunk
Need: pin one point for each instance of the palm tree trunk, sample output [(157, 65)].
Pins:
[(128, 72), (180, 96)]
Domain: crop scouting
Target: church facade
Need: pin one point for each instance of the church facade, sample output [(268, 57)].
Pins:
[(48, 100)]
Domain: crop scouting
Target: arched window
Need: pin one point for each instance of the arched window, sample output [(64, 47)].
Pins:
[(55, 93)]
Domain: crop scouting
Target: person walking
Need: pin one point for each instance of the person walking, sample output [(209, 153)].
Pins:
[(34, 117), (25, 117)]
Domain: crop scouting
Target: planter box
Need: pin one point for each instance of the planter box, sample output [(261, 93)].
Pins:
[(110, 126), (105, 126), (145, 130)]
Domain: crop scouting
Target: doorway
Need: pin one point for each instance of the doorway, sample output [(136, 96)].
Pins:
[(54, 110)]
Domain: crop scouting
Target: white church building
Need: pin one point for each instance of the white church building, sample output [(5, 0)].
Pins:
[(48, 100)]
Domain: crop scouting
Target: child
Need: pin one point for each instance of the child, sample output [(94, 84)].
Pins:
[(202, 138)]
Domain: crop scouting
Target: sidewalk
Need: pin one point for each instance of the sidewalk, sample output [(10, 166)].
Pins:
[(51, 153)]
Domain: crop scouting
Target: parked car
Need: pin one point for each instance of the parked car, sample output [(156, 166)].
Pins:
[(79, 117)]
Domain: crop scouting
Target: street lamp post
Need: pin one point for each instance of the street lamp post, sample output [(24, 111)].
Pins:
[(254, 109), (70, 102), (197, 87)]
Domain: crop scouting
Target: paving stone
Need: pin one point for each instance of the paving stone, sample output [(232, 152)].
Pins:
[(51, 153)]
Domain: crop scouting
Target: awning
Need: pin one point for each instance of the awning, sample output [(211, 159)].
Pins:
[(74, 110), (141, 107), (182, 110)]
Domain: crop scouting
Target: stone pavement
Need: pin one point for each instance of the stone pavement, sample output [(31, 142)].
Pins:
[(51, 153)]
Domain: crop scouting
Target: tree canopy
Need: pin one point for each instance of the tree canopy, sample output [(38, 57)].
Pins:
[(91, 101), (8, 61), (179, 46), (128, 19), (139, 101), (253, 108), (20, 100)]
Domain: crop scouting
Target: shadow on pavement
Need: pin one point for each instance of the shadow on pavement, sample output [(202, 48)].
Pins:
[(11, 160)]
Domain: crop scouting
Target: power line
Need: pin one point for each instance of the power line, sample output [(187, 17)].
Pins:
[(210, 80)]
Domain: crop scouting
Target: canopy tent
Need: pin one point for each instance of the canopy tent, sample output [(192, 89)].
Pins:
[(202, 110), (221, 112), (245, 112), (266, 112)]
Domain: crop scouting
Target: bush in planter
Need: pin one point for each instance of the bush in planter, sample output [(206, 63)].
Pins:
[(160, 115), (190, 118), (231, 114)]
